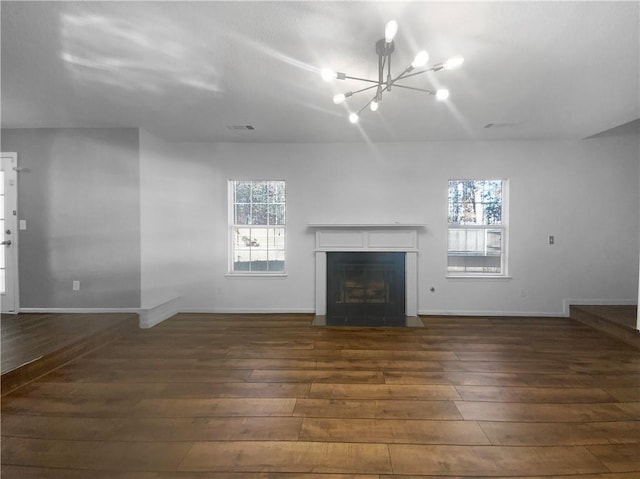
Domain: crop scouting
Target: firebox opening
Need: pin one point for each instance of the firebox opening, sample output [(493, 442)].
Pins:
[(366, 289)]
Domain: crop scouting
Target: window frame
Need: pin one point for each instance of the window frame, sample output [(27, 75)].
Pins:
[(232, 226), (503, 227)]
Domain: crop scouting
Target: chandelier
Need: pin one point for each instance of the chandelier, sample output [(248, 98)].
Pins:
[(384, 48)]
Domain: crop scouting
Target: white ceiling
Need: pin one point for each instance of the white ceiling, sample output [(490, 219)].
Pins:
[(188, 70)]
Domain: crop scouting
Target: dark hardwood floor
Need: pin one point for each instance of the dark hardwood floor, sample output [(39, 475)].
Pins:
[(269, 396), (34, 344)]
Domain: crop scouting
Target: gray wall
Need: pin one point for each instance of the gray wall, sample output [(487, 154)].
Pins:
[(79, 193), (117, 209), (584, 192)]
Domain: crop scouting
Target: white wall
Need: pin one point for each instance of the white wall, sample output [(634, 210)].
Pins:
[(585, 193), (78, 192)]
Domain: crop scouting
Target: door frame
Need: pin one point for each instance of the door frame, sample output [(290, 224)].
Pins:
[(11, 260)]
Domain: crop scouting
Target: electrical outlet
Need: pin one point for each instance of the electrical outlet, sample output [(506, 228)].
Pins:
[(522, 293), (76, 285), (22, 225)]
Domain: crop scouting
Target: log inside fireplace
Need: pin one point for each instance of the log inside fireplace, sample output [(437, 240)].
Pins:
[(366, 288)]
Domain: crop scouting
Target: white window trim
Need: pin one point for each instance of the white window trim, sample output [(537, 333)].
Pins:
[(504, 226), (230, 232)]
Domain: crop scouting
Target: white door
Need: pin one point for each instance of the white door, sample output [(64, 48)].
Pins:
[(8, 227)]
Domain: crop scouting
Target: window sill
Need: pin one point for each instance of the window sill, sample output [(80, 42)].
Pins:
[(256, 275), (477, 276)]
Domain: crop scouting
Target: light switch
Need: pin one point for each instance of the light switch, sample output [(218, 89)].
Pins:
[(22, 225)]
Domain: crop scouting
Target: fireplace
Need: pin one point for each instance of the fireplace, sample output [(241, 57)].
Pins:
[(371, 240), (366, 288)]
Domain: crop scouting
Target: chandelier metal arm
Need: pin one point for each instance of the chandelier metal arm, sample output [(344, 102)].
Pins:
[(406, 74), (347, 77), (431, 92), (365, 89)]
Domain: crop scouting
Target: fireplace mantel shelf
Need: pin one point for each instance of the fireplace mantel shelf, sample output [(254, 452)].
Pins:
[(366, 226)]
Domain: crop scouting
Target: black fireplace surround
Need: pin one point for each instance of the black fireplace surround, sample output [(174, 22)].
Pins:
[(366, 289)]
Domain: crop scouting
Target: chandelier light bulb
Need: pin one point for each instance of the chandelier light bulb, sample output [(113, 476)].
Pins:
[(328, 74), (390, 31), (454, 62), (339, 98), (353, 118), (420, 60), (442, 94), (374, 106)]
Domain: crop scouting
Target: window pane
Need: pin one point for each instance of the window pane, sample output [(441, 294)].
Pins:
[(276, 192), (259, 260), (242, 192), (276, 238), (242, 214), (259, 214), (259, 191), (276, 260), (276, 214), (472, 250), (475, 202), (259, 238)]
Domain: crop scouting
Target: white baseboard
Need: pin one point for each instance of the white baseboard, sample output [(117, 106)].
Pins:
[(153, 315), (249, 310), (79, 310), (534, 314)]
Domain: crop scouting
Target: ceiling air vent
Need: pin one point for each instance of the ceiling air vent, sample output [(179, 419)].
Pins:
[(240, 127)]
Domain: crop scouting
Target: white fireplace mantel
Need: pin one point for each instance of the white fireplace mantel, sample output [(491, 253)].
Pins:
[(368, 238)]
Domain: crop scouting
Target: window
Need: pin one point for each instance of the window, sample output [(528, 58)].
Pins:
[(257, 224), (477, 232)]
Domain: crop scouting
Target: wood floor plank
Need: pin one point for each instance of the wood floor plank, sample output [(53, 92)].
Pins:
[(383, 391), (392, 431), (234, 390), (532, 394), (206, 364), (318, 457), (77, 373), (322, 375), (381, 409), (540, 366), (391, 354), (386, 364), (153, 429), (492, 460), (522, 412), (28, 472), (106, 390), (102, 456), (223, 407), (68, 406), (466, 378), (618, 457), (561, 433), (111, 390), (624, 394)]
